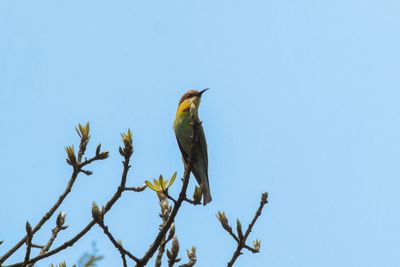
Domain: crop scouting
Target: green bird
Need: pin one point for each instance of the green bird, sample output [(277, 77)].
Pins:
[(183, 132)]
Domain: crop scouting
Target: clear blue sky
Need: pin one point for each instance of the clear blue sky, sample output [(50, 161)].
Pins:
[(304, 104)]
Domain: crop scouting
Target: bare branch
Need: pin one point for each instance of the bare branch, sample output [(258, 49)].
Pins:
[(191, 254), (116, 244), (193, 202), (128, 151), (167, 214), (164, 214), (37, 246), (136, 189), (97, 157), (29, 236), (182, 196), (45, 217), (225, 224), (173, 252), (170, 197), (242, 240), (58, 228), (77, 168)]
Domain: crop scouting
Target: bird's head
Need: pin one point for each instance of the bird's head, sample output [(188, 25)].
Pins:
[(191, 96)]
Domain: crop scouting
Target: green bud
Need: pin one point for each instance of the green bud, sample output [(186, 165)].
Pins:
[(239, 229), (96, 213), (171, 231), (164, 205), (222, 218), (175, 247), (127, 138), (98, 149), (71, 158), (83, 131), (191, 254), (264, 197), (28, 229), (173, 253), (197, 194), (60, 219), (169, 254), (104, 155), (161, 196), (257, 245), (122, 151)]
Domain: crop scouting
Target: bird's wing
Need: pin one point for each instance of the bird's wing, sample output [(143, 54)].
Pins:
[(201, 165), (184, 154), (203, 145)]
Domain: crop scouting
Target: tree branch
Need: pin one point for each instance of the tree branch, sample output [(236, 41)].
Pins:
[(157, 241), (77, 168), (191, 254), (241, 240), (116, 244), (45, 217), (164, 214), (29, 236), (58, 228), (168, 215), (182, 196), (190, 201), (128, 150), (136, 188), (37, 246)]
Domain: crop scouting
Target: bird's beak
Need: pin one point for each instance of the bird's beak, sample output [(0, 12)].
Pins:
[(202, 91)]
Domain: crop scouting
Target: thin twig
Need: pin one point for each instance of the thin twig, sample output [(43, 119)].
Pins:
[(37, 246), (29, 236), (136, 188), (189, 264), (170, 197), (264, 200), (192, 258), (89, 161), (27, 254), (161, 251), (242, 241), (116, 244), (124, 263), (191, 201), (253, 250), (164, 214), (53, 237), (232, 234)]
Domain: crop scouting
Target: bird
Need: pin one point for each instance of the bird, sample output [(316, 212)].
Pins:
[(189, 103)]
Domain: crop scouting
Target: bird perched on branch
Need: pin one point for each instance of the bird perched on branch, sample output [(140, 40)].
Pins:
[(188, 105)]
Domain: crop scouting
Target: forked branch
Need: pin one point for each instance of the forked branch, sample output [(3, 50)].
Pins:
[(241, 238)]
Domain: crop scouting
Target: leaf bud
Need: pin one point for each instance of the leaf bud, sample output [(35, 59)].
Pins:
[(60, 219)]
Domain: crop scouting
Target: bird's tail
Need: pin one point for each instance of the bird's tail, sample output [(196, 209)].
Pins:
[(206, 192), (202, 180)]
